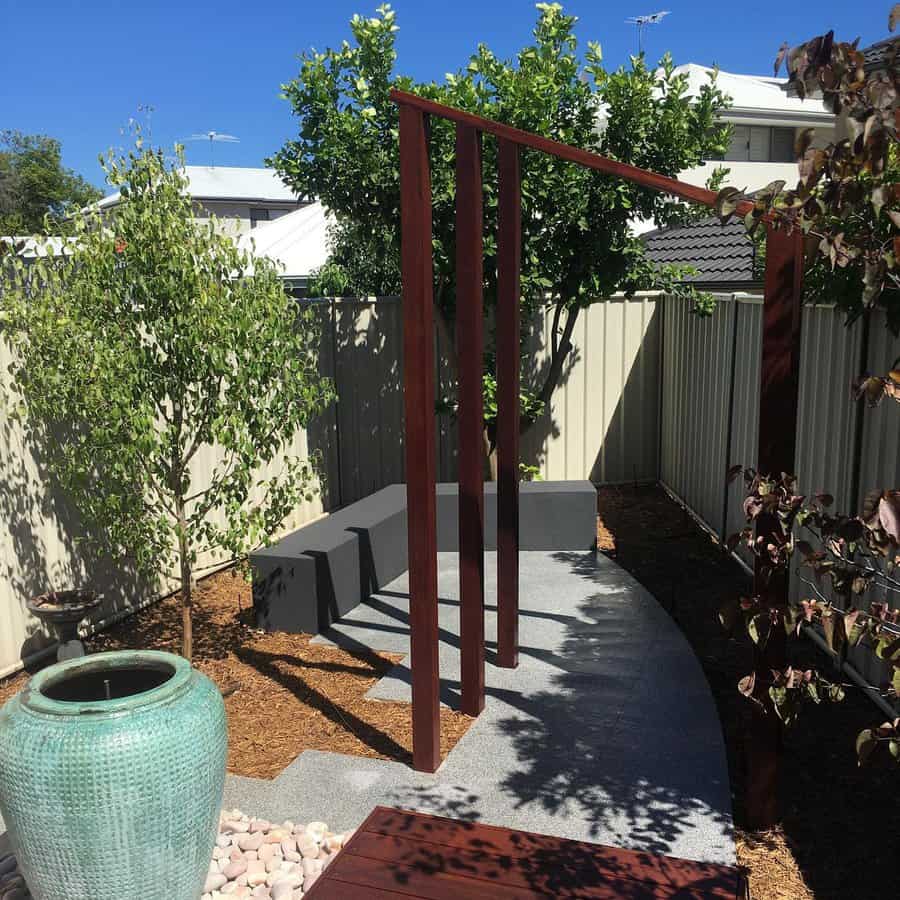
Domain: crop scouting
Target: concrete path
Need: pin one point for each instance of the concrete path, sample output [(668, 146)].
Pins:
[(605, 732)]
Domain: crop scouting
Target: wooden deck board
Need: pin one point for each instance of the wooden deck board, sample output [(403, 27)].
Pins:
[(398, 854)]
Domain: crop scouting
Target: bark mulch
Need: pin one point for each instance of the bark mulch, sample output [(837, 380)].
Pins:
[(840, 827), (283, 694)]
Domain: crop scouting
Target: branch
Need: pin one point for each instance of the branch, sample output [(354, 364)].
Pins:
[(560, 352)]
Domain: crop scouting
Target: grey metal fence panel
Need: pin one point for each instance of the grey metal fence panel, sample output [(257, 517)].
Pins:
[(745, 409), (879, 459), (697, 362)]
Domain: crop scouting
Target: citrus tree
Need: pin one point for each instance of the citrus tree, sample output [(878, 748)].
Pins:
[(578, 244), (139, 342)]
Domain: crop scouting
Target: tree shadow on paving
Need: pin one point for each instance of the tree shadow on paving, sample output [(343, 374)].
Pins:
[(268, 664), (830, 807), (603, 743)]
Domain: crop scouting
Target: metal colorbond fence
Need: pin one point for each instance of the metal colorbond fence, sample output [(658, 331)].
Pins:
[(650, 392), (603, 424), (710, 415)]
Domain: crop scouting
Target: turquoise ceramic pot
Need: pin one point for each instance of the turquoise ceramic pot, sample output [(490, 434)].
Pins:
[(111, 775)]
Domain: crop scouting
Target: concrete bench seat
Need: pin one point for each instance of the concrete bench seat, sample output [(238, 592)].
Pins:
[(315, 575)]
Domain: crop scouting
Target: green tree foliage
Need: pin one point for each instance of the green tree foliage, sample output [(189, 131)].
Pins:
[(138, 346), (34, 184), (577, 243)]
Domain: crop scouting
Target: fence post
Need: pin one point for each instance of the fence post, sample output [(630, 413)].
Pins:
[(778, 405)]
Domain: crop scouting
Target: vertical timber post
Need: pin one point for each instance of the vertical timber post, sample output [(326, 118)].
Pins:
[(469, 351), (778, 406), (418, 389), (509, 251)]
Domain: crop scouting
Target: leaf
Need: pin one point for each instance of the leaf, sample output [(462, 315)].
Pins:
[(733, 472), (747, 684), (894, 17), (726, 202), (866, 742), (835, 693), (889, 513), (803, 141), (758, 629), (728, 615), (782, 53)]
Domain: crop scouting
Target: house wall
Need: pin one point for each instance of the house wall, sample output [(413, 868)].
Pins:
[(755, 175), (235, 216)]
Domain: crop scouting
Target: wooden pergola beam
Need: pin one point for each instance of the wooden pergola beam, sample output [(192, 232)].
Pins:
[(778, 395), (418, 392), (470, 355)]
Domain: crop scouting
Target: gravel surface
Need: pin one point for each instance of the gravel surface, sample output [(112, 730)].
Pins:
[(253, 858)]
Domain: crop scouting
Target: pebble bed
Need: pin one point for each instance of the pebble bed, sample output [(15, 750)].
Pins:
[(252, 858)]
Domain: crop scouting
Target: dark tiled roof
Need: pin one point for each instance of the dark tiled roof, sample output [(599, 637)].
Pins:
[(720, 253), (875, 55)]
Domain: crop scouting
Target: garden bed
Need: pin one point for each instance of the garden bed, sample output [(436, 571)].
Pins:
[(839, 835), (283, 694)]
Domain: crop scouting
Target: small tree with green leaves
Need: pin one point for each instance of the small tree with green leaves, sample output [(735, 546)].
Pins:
[(140, 343)]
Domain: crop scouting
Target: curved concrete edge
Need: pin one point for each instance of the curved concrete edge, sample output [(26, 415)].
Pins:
[(606, 732)]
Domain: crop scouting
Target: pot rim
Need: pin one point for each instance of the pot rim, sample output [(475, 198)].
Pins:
[(34, 698)]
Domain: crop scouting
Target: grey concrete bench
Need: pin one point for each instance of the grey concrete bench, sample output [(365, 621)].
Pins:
[(315, 575)]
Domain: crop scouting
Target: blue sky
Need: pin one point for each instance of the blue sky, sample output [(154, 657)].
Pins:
[(78, 70)]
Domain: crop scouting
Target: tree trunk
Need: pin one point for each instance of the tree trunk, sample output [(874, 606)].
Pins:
[(187, 599), (560, 347)]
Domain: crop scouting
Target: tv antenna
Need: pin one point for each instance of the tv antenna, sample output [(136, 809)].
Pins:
[(642, 21), (214, 137)]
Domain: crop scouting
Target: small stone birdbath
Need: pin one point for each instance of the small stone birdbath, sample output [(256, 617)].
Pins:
[(62, 611)]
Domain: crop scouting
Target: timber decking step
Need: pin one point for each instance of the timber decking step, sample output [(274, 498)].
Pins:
[(397, 855)]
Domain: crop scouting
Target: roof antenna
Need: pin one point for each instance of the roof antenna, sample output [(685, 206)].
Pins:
[(641, 21), (214, 137)]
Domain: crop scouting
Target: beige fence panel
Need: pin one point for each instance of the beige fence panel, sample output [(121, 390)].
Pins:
[(603, 419)]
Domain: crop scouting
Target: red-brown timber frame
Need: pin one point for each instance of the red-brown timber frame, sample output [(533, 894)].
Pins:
[(778, 394)]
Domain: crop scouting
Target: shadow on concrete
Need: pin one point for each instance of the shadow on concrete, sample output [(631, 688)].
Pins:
[(639, 768)]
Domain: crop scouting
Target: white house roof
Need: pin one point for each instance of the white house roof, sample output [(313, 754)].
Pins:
[(759, 97), (253, 185), (296, 242)]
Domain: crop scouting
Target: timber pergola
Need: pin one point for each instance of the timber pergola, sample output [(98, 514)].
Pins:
[(778, 387)]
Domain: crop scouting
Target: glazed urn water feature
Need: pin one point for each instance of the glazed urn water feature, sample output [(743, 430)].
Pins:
[(112, 768)]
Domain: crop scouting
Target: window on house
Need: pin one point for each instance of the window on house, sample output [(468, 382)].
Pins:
[(760, 143), (258, 215), (782, 145)]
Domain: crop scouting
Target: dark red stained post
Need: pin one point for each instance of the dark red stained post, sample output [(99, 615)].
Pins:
[(779, 388), (509, 252), (469, 344), (418, 388)]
